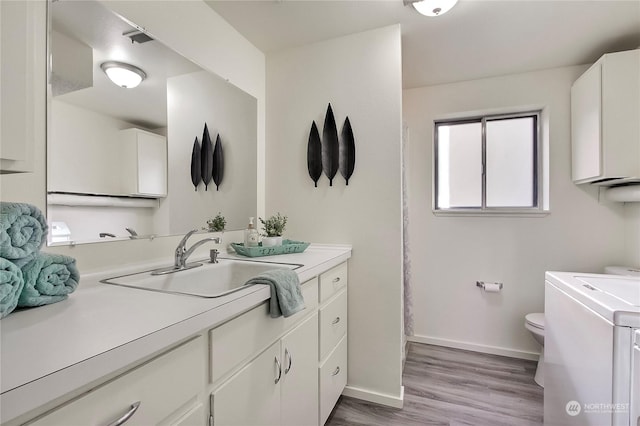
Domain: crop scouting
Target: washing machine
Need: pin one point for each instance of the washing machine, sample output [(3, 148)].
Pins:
[(635, 385), (591, 322), (622, 270)]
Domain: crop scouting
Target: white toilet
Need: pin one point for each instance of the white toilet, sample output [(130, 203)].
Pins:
[(535, 324)]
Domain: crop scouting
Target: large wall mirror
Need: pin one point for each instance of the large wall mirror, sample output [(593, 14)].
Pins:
[(119, 159)]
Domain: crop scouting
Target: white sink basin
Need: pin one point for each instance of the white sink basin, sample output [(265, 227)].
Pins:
[(209, 280)]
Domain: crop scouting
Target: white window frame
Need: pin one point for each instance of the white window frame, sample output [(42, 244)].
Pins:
[(536, 210)]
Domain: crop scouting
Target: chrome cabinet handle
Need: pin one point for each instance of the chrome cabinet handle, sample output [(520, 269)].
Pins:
[(335, 321), (122, 420), (279, 371), (337, 370), (336, 280), (287, 354)]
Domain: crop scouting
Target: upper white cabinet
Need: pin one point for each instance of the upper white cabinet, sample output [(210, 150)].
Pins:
[(144, 159), (605, 121), (131, 162), (22, 82)]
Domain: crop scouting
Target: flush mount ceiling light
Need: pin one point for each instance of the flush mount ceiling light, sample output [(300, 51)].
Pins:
[(123, 75), (433, 7)]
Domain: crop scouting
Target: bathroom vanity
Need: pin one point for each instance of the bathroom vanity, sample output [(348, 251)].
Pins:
[(112, 353)]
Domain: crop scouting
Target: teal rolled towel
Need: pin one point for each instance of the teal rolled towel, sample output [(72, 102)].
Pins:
[(286, 294), (48, 278), (11, 284), (23, 230)]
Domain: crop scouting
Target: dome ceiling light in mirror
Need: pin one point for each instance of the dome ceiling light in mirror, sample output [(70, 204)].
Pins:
[(124, 75)]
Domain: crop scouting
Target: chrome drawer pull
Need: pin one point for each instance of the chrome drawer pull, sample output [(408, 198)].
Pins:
[(287, 354), (336, 280), (279, 371), (336, 372), (335, 321), (122, 420)]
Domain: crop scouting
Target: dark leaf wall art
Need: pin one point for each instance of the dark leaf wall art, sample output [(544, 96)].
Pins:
[(218, 163), (196, 164), (331, 153), (206, 157), (314, 154), (347, 151), (330, 146)]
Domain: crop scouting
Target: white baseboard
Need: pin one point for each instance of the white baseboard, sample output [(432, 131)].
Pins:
[(375, 397), (495, 350)]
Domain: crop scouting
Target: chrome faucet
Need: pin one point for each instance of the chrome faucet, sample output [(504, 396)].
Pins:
[(182, 253)]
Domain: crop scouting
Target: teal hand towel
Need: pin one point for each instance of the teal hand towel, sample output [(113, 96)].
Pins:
[(286, 295), (23, 230), (48, 278), (11, 284)]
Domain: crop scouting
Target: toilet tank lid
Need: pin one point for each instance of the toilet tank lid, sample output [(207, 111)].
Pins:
[(622, 270), (536, 320)]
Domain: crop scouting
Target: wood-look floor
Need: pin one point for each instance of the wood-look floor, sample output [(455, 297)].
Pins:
[(445, 386)]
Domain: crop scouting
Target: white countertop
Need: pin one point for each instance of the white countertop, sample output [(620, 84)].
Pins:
[(614, 297), (100, 329)]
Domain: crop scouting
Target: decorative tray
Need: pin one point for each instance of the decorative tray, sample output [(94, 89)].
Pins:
[(287, 247)]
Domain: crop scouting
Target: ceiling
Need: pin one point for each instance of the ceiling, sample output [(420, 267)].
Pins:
[(476, 39)]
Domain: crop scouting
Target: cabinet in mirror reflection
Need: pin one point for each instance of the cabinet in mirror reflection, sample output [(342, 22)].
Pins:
[(120, 158)]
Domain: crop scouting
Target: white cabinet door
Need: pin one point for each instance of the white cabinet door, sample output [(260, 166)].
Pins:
[(252, 396), (586, 126), (144, 163), (605, 130), (333, 379), (152, 164), (300, 375), (195, 417), (279, 387), (22, 82)]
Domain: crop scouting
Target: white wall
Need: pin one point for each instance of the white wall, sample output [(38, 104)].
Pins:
[(198, 33), (632, 234), (449, 254), (360, 75), (195, 99)]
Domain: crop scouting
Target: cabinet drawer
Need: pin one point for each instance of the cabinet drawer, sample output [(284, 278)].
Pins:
[(164, 386), (333, 323), (235, 342), (333, 281), (333, 379)]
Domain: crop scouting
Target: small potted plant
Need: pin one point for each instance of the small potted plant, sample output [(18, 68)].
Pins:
[(273, 229), (216, 224)]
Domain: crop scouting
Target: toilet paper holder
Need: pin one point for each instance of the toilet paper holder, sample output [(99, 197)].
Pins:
[(485, 286)]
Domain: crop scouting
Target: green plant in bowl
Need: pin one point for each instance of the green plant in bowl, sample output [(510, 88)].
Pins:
[(273, 229), (216, 224)]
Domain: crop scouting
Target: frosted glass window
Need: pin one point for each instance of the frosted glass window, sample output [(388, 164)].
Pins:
[(460, 165), (510, 156), (487, 163)]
